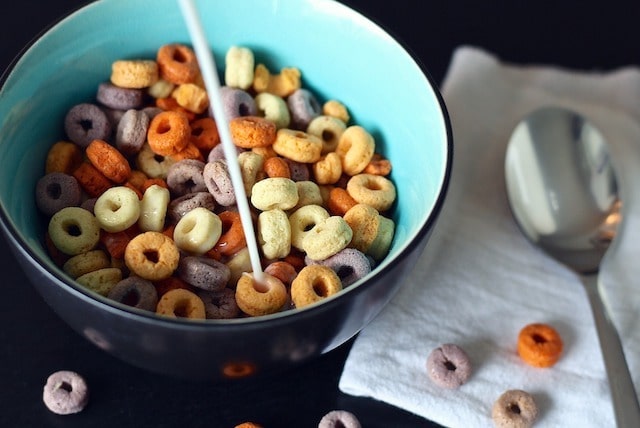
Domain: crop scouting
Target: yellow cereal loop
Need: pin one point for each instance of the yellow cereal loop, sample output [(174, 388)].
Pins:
[(134, 74), (355, 147), (282, 85), (260, 299), (86, 262), (329, 129), (181, 303), (328, 169), (298, 145), (152, 255), (239, 65), (192, 97), (335, 108), (372, 233), (327, 238), (308, 194), (251, 169), (153, 208), (63, 156), (152, 164), (274, 193), (374, 190), (303, 220), (273, 108), (101, 281), (313, 284), (117, 209), (274, 234), (198, 231), (74, 230), (382, 242), (161, 89), (239, 263)]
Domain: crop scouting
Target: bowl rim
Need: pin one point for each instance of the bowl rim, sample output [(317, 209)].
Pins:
[(20, 244)]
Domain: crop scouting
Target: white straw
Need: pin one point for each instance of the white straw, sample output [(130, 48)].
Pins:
[(212, 83)]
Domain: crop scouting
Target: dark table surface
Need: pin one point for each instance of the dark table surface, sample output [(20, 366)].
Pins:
[(35, 342)]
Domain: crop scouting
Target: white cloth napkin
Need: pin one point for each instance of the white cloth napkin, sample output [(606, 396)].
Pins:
[(480, 281)]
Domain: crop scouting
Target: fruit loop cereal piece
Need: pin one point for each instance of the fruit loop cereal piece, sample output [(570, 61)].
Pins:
[(232, 239), (282, 270), (238, 264), (248, 425), (378, 166), (108, 160), (204, 133), (115, 243), (335, 108), (374, 190), (217, 153), (274, 233), (329, 129), (274, 193), (91, 180), (112, 96), (117, 209), (299, 170), (237, 103), (219, 304), (328, 169), (239, 64), (152, 164), (136, 292), (203, 272), (152, 256), (197, 231), (277, 167), (298, 145), (514, 409), (355, 147), (265, 152), (161, 89), (282, 85), (131, 132), (308, 194), (170, 104), (539, 345), (153, 208), (180, 206), (340, 201), (134, 74), (86, 262), (313, 284), (339, 419), (304, 107), (65, 392), (186, 177), (86, 122), (169, 132), (63, 157), (448, 366), (101, 281), (251, 169), (218, 181), (273, 108), (303, 220), (55, 191), (177, 63), (372, 233), (74, 230), (269, 298), (192, 97), (252, 131), (350, 265), (181, 303), (327, 238)]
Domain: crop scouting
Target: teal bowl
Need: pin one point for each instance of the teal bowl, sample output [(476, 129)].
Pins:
[(341, 55)]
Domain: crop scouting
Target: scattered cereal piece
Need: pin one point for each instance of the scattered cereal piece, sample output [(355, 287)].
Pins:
[(539, 345), (65, 392), (339, 419), (448, 366), (514, 409)]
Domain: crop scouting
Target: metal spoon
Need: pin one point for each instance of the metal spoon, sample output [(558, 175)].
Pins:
[(562, 189)]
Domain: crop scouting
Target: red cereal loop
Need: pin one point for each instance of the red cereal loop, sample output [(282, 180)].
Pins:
[(168, 133), (115, 243), (92, 181)]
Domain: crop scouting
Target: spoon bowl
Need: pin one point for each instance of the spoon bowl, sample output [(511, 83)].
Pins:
[(562, 189)]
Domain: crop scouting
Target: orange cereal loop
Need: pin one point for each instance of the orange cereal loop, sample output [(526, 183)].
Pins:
[(191, 151), (232, 238), (378, 165), (252, 131), (171, 283), (296, 259), (115, 242), (248, 425), (177, 63), (265, 152), (64, 157), (171, 104), (108, 160), (151, 181), (204, 133), (340, 201), (277, 167), (92, 181), (539, 345), (152, 256), (134, 188), (168, 231), (168, 133), (181, 303), (137, 178), (282, 270)]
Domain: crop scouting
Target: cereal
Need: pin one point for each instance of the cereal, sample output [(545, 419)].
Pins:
[(112, 96), (177, 63), (374, 190), (270, 298), (277, 167), (274, 193), (237, 103), (232, 238), (252, 131), (117, 209), (65, 392), (328, 169), (115, 243), (86, 262), (304, 107), (86, 122), (152, 256), (74, 230), (378, 166), (303, 220), (192, 97), (101, 281), (282, 85), (355, 147), (539, 345), (186, 176), (153, 208), (57, 190), (197, 231), (204, 133), (372, 233), (180, 206), (329, 129), (135, 292), (308, 194), (108, 160), (153, 164), (239, 64), (131, 132), (297, 145), (514, 409), (335, 108), (327, 238), (168, 133), (339, 419), (251, 168), (282, 270), (181, 303), (218, 181), (313, 284), (239, 263), (219, 304), (203, 272), (64, 157), (350, 264), (273, 108), (448, 366), (274, 233), (134, 74), (340, 201)]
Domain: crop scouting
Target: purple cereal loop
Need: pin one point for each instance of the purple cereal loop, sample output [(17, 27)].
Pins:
[(65, 392), (304, 107), (220, 304), (218, 182), (131, 132), (203, 272), (185, 203), (118, 98), (339, 419), (136, 292), (185, 177), (448, 366), (237, 102), (217, 153), (86, 122), (57, 190), (350, 265), (299, 171)]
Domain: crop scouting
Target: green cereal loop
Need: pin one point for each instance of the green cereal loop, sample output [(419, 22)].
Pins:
[(74, 230), (102, 280)]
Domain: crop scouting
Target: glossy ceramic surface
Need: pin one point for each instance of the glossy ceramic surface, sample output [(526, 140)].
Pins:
[(341, 54)]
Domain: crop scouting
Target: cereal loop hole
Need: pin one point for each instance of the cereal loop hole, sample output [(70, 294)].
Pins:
[(450, 366), (54, 190), (538, 338), (514, 408), (86, 125), (131, 298), (151, 255), (65, 386), (328, 135), (179, 56), (73, 229), (320, 287)]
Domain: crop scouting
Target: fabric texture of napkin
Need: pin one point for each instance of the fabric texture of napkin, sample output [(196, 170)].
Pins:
[(480, 281)]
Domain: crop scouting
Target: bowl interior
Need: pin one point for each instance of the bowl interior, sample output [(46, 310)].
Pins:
[(341, 54)]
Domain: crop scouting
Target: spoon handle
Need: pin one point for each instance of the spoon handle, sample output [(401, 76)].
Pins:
[(623, 394)]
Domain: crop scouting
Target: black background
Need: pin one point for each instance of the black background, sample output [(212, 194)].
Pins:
[(34, 342)]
